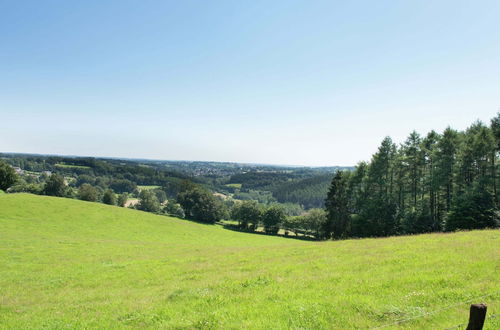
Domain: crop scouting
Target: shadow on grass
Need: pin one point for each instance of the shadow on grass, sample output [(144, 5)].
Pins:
[(248, 231), (235, 227), (199, 222)]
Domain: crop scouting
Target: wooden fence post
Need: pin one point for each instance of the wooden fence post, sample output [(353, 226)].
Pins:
[(477, 316)]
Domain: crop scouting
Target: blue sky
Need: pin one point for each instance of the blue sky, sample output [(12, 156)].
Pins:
[(282, 82)]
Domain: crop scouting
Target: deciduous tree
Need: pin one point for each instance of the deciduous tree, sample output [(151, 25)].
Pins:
[(7, 176)]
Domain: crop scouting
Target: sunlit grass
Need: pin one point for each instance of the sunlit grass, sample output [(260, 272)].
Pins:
[(62, 165), (234, 185), (68, 263), (148, 187)]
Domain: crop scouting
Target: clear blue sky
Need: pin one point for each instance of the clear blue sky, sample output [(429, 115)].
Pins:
[(283, 82)]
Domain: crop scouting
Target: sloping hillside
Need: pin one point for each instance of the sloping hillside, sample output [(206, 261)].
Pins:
[(68, 263)]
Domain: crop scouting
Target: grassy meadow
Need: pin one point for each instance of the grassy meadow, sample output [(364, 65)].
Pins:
[(72, 264), (234, 185), (62, 165), (148, 187)]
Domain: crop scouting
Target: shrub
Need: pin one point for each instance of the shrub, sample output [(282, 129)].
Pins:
[(272, 219), (200, 205), (109, 197), (55, 186), (247, 213), (87, 193), (122, 199), (7, 176), (148, 201)]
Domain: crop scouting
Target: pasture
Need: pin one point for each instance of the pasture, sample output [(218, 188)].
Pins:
[(63, 165), (72, 264), (152, 187), (234, 185)]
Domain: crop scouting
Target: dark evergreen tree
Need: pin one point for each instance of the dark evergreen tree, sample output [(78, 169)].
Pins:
[(430, 182), (413, 160), (338, 222), (495, 129), (473, 209), (378, 215), (447, 148)]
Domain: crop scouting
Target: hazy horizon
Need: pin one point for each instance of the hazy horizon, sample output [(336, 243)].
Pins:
[(166, 160), (282, 83)]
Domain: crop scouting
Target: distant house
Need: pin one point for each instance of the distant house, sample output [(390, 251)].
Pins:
[(222, 196), (18, 170)]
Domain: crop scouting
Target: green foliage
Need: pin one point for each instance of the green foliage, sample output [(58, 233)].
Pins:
[(87, 193), (55, 186), (337, 208), (272, 218), (312, 223), (109, 197), (23, 186), (257, 180), (247, 213), (161, 195), (174, 209), (302, 187), (123, 186), (418, 220), (200, 205), (448, 179), (474, 209), (264, 197), (7, 176), (122, 199), (85, 178), (291, 209), (148, 201), (377, 218), (308, 192)]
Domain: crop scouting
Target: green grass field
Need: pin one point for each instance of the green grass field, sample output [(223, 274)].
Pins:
[(148, 187), (234, 185), (72, 264), (62, 165)]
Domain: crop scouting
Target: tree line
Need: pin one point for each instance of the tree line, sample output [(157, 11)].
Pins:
[(437, 182), (252, 217)]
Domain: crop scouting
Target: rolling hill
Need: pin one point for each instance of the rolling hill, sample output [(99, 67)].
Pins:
[(72, 264)]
